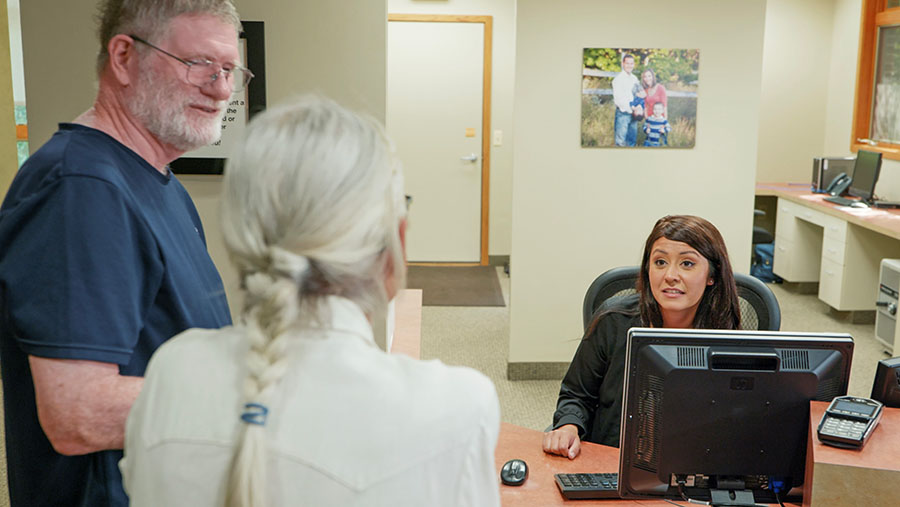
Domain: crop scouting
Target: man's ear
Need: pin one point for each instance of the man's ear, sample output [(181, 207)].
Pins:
[(122, 59)]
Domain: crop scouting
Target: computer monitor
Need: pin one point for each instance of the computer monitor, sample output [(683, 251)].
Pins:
[(726, 413), (865, 174)]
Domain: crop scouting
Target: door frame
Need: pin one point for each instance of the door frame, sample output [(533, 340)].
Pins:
[(487, 21)]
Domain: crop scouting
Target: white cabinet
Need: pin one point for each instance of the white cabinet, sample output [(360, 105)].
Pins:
[(798, 245), (844, 258)]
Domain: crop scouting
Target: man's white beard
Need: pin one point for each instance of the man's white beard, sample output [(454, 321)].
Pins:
[(161, 106)]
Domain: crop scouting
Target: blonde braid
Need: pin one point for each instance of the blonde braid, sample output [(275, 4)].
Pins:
[(273, 305)]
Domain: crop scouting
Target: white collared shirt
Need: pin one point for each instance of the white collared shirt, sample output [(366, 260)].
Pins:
[(623, 86), (348, 424)]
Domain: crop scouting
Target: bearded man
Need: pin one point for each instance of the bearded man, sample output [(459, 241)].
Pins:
[(104, 256)]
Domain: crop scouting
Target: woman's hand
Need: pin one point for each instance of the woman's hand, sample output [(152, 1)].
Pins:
[(563, 441)]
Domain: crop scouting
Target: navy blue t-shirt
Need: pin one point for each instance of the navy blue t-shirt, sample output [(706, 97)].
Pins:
[(102, 258)]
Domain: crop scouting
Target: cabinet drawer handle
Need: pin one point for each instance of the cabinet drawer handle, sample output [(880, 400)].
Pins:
[(783, 249), (832, 250), (829, 273)]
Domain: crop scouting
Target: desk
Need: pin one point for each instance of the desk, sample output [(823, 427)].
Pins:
[(837, 246), (540, 488), (407, 323)]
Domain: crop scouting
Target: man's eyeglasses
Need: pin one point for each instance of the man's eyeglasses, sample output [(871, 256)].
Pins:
[(203, 73)]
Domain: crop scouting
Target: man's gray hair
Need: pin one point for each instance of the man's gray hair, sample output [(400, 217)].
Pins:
[(150, 19)]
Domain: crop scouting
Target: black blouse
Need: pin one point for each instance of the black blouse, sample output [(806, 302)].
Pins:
[(590, 396)]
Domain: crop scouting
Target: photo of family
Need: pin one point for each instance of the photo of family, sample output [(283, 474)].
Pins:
[(639, 97)]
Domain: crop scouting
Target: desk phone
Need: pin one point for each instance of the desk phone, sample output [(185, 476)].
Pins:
[(848, 421)]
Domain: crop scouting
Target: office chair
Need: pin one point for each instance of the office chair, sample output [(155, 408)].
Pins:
[(761, 235), (759, 307)]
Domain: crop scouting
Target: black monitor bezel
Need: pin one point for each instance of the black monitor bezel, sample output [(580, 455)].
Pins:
[(868, 193), (641, 337)]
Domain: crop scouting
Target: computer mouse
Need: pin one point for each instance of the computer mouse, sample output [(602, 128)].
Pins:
[(514, 472), (859, 204)]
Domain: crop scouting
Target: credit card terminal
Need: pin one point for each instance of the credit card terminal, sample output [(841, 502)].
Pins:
[(848, 421)]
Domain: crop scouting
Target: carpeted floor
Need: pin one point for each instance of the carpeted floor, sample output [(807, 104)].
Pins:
[(456, 285)]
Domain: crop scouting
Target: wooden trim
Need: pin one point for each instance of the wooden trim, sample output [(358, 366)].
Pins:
[(486, 140), (891, 151), (865, 74), (446, 264), (487, 21), (873, 15), (440, 18), (890, 17)]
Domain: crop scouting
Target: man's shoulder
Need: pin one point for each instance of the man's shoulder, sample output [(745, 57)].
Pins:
[(77, 150)]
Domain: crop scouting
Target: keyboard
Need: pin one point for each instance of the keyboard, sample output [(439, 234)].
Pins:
[(843, 201), (588, 486)]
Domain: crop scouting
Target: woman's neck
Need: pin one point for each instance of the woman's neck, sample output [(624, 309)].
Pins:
[(680, 320)]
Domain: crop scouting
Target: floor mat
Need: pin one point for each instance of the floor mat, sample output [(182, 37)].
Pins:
[(456, 286)]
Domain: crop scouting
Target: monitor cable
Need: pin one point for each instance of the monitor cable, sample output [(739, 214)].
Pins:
[(778, 499)]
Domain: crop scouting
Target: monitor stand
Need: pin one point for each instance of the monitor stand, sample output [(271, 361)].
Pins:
[(731, 497)]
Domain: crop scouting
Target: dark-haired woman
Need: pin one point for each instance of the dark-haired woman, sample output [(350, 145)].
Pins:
[(685, 281), (656, 93)]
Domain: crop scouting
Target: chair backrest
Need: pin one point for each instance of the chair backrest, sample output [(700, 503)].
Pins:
[(759, 307)]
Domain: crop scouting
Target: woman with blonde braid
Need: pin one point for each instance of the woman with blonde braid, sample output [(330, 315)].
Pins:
[(297, 405)]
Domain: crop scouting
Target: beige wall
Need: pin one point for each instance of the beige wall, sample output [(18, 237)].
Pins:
[(336, 48), (502, 76), (8, 158), (577, 212)]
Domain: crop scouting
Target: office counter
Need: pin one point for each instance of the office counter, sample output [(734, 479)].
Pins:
[(837, 246), (869, 476)]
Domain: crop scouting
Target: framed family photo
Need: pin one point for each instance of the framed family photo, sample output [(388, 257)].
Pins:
[(639, 97)]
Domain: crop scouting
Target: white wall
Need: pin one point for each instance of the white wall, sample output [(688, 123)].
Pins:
[(502, 76), (797, 53), (336, 48), (577, 212), (841, 77)]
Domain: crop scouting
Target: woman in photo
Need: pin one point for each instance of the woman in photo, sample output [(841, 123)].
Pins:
[(656, 93)]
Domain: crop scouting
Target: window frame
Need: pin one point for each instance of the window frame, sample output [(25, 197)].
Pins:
[(874, 14)]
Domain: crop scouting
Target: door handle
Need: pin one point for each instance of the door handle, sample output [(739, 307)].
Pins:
[(470, 157)]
